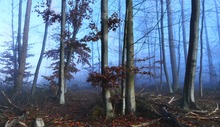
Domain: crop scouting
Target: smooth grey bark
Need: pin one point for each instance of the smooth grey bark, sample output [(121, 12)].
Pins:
[(130, 91), (124, 57), (201, 50), (22, 60), (119, 35), (172, 47), (109, 113), (163, 50), (62, 53), (159, 35), (183, 30), (18, 43), (179, 52), (42, 50), (19, 30), (188, 90)]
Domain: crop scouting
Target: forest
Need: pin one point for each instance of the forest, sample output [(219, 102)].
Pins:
[(110, 63)]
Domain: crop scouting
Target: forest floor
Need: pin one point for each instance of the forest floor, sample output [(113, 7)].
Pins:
[(83, 109)]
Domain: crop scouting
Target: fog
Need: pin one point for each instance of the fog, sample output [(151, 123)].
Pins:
[(146, 38)]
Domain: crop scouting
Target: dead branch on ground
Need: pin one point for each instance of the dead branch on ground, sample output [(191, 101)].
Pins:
[(171, 100), (147, 123), (216, 109)]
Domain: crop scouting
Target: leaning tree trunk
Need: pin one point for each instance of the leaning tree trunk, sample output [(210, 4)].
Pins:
[(42, 50), (61, 69), (130, 92), (172, 47), (188, 91), (22, 60), (163, 50), (109, 113)]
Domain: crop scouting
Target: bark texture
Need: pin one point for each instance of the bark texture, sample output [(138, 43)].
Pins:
[(188, 91), (130, 92), (109, 113), (172, 47), (61, 69), (23, 56), (163, 50)]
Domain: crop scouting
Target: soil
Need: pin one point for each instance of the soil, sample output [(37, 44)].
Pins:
[(83, 108)]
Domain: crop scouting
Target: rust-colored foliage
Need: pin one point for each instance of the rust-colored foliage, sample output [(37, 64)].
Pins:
[(79, 10), (113, 22), (112, 76)]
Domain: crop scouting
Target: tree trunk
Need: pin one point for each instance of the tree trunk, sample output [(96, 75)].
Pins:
[(18, 43), (22, 60), (179, 51), (19, 29), (183, 30), (188, 91), (130, 91), (42, 51), (123, 82), (109, 113), (201, 50), (119, 35), (172, 47), (212, 72), (159, 35), (61, 69), (163, 51)]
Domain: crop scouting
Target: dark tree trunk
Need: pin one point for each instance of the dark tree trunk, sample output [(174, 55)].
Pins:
[(42, 52), (62, 53), (188, 91)]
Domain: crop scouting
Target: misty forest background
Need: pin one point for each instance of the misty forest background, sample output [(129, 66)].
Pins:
[(160, 31)]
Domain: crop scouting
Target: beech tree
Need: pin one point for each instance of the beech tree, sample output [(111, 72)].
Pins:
[(109, 113), (61, 64), (183, 29), (130, 91), (188, 90), (201, 50), (76, 49), (23, 55), (163, 50), (172, 47), (47, 23)]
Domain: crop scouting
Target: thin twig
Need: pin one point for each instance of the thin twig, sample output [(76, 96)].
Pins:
[(171, 100), (10, 101), (216, 109)]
